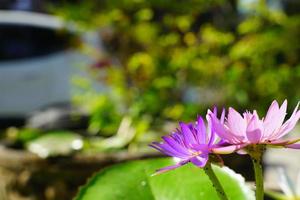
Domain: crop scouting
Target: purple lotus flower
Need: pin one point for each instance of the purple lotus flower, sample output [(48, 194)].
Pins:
[(250, 129), (191, 143)]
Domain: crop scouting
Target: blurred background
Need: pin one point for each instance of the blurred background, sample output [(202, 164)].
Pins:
[(84, 84)]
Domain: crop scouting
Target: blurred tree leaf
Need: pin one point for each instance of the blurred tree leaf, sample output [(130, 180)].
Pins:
[(59, 143), (164, 50)]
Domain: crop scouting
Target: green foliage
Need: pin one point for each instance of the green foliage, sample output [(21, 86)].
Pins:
[(176, 58), (104, 116), (21, 136), (133, 180)]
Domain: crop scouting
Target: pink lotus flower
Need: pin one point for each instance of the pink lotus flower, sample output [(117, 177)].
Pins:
[(240, 131)]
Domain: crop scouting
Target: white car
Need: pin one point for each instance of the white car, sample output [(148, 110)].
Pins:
[(35, 62)]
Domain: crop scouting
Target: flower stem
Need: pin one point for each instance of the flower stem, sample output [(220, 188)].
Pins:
[(256, 157), (216, 183)]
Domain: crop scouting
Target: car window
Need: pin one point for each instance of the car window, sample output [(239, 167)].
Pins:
[(20, 42)]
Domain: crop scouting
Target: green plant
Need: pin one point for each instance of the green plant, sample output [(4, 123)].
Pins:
[(177, 58), (189, 182)]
